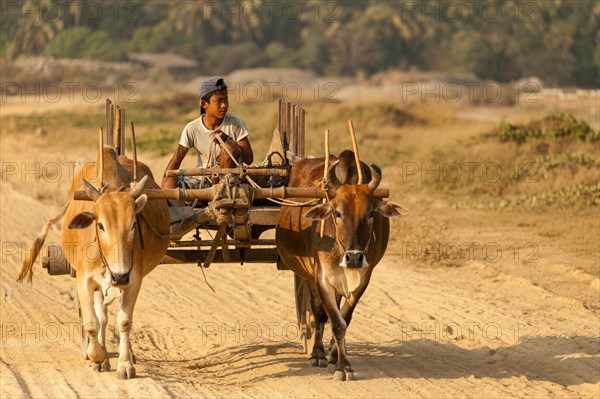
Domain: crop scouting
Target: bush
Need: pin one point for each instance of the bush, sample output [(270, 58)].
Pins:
[(565, 125), (228, 57), (514, 133), (281, 56), (561, 125), (68, 43), (155, 39), (84, 42)]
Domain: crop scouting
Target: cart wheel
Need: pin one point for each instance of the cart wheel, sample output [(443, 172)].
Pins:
[(304, 315), (55, 262)]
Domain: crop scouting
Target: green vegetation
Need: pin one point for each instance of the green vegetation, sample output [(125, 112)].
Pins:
[(84, 42), (503, 40), (511, 132), (561, 125)]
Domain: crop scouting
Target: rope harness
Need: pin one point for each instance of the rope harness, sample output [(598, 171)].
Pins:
[(252, 182), (103, 258)]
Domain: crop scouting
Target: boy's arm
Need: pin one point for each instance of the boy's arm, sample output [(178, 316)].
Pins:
[(246, 148), (174, 163)]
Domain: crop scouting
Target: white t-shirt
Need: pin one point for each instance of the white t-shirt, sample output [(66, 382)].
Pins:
[(196, 135)]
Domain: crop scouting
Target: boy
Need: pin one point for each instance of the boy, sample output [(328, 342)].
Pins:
[(200, 133)]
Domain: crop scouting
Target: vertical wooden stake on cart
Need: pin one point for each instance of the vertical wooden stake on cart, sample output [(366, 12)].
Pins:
[(134, 151), (117, 123), (288, 125), (295, 128), (301, 135), (110, 129), (122, 143), (101, 156), (355, 147), (325, 174), (108, 123)]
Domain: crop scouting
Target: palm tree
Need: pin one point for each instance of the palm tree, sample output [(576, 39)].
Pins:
[(35, 29)]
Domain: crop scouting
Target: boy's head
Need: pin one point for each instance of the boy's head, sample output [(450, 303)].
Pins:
[(208, 88)]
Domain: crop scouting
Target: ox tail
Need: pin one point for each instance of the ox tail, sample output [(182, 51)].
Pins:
[(27, 269)]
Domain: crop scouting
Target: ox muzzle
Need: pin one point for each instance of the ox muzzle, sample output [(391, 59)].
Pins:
[(354, 260), (119, 280)]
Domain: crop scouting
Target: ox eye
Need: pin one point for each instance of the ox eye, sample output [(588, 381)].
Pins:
[(101, 226), (337, 214)]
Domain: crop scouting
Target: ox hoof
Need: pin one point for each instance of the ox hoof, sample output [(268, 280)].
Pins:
[(341, 375), (331, 366), (126, 374), (96, 367), (105, 366), (315, 362)]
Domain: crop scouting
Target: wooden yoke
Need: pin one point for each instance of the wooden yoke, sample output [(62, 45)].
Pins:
[(207, 194)]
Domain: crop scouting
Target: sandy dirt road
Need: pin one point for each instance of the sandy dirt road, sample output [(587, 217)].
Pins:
[(470, 331), (475, 328)]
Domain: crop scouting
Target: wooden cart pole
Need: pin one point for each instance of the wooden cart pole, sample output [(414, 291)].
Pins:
[(111, 127), (280, 118), (134, 151), (101, 156), (207, 194), (355, 148), (122, 129), (284, 128), (118, 128), (288, 126), (108, 116), (326, 167), (301, 136), (296, 122)]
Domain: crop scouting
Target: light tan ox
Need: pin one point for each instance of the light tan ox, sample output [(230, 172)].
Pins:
[(111, 223)]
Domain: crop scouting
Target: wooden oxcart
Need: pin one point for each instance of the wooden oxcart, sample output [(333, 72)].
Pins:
[(223, 223)]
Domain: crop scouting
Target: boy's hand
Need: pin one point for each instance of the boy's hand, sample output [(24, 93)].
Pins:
[(222, 134)]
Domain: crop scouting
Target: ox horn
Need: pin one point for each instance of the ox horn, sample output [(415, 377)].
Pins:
[(138, 188), (90, 190), (332, 179), (375, 177)]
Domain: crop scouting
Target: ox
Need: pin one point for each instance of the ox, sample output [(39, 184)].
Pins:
[(340, 262), (101, 240)]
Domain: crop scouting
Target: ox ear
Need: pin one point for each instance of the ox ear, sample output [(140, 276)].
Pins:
[(319, 212), (391, 209), (81, 221), (140, 203)]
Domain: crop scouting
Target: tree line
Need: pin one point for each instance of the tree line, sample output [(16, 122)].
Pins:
[(503, 40)]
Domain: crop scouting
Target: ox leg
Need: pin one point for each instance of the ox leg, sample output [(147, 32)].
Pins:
[(343, 370), (95, 351), (347, 310), (318, 356), (333, 354), (125, 368), (101, 313)]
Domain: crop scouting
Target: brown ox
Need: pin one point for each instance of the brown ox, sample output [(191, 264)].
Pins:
[(340, 262), (101, 240)]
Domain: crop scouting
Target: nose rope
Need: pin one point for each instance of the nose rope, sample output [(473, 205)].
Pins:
[(101, 254), (103, 258)]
